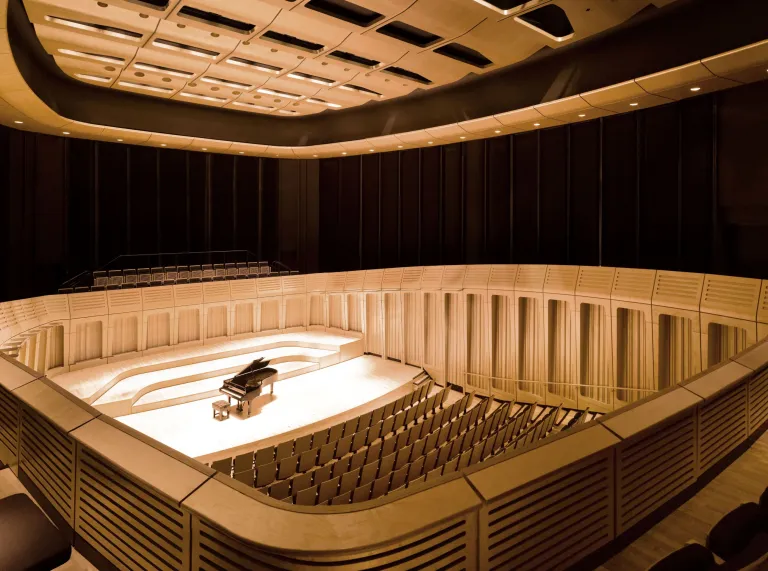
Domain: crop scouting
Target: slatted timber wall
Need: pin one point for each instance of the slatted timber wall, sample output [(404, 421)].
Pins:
[(551, 522), (653, 467), (134, 527), (722, 425), (9, 427), (758, 400), (451, 546), (47, 457)]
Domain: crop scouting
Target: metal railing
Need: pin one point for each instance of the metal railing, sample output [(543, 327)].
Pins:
[(579, 395)]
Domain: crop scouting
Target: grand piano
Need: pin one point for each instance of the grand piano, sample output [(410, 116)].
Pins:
[(247, 384)]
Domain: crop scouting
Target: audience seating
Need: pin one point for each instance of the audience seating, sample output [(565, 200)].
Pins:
[(692, 557)]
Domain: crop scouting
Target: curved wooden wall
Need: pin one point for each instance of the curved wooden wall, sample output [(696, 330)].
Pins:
[(137, 504)]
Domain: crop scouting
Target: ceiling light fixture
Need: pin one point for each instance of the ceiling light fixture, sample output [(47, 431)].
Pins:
[(162, 144), (497, 131), (287, 111), (314, 156), (311, 78), (370, 150), (19, 122), (241, 153), (633, 104), (65, 132), (399, 146), (255, 65), (344, 153), (695, 88), (429, 142), (362, 90), (582, 115), (89, 77), (164, 70), (253, 106), (145, 87), (462, 137), (205, 148), (119, 140), (536, 124), (203, 97), (177, 47), (226, 83), (95, 57), (96, 28), (266, 91), (323, 102)]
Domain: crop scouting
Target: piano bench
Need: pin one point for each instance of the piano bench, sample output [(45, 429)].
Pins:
[(219, 408), (29, 540)]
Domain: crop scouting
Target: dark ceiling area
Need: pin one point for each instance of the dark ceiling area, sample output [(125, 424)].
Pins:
[(654, 40)]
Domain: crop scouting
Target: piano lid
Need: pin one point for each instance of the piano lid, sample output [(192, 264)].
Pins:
[(253, 375)]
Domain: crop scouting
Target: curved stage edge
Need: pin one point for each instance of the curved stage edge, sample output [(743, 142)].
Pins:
[(585, 487)]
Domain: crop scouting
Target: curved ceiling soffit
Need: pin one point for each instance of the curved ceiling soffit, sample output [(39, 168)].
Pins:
[(418, 120)]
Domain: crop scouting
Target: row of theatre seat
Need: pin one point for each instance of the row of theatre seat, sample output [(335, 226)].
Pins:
[(738, 541), (423, 441), (169, 275)]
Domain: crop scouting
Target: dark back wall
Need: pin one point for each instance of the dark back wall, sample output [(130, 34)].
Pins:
[(681, 187)]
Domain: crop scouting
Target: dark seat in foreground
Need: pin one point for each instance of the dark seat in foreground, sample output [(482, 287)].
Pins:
[(691, 557), (28, 541)]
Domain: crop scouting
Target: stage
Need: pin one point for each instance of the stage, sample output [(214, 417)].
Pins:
[(298, 401)]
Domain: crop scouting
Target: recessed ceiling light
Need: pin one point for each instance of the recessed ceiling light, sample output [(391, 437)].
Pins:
[(695, 88), (344, 153), (19, 122), (633, 104), (145, 87), (399, 146), (323, 102), (536, 124), (497, 131), (205, 148), (242, 152), (205, 97), (162, 69), (314, 156), (96, 28), (266, 91), (370, 150), (162, 144), (225, 82), (65, 132), (89, 77), (582, 115), (429, 142), (177, 47), (96, 57), (311, 78), (119, 140), (462, 137)]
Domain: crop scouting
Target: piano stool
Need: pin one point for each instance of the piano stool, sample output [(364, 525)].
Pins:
[(219, 408)]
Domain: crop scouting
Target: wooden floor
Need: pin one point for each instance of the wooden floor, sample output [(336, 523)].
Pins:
[(742, 481)]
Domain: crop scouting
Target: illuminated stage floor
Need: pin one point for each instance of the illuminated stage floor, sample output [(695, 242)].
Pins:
[(298, 401)]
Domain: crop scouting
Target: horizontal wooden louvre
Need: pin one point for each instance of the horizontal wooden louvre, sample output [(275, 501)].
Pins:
[(758, 401), (722, 425), (449, 547), (47, 457), (552, 522), (132, 526), (653, 468), (9, 427)]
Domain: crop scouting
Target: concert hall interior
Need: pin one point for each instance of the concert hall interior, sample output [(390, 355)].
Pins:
[(383, 284)]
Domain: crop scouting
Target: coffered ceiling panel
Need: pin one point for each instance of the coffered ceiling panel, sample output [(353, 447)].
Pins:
[(340, 52)]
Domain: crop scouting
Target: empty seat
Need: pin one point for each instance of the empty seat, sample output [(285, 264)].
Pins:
[(464, 459), (247, 477), (195, 274), (362, 493), (343, 447), (387, 464), (435, 473), (403, 455), (301, 482), (421, 409), (302, 444), (377, 415), (388, 446), (387, 425), (287, 467), (306, 497), (374, 432), (100, 280), (327, 490), (358, 459), (374, 453), (415, 469), (399, 421), (477, 453), (224, 466), (265, 474), (413, 434), (145, 277), (410, 416), (322, 474), (388, 408), (253, 269), (451, 466), (426, 427), (691, 557), (349, 481), (129, 278), (208, 273), (364, 421), (341, 466), (368, 473), (399, 477), (284, 449), (341, 499), (308, 459), (326, 453), (350, 427), (243, 462), (242, 270), (280, 490), (335, 432), (381, 486), (401, 440), (359, 439), (430, 461), (171, 273), (115, 279), (219, 272), (319, 438), (158, 275), (417, 449), (182, 276), (230, 271)]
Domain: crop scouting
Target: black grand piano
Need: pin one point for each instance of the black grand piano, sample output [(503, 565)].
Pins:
[(247, 384)]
